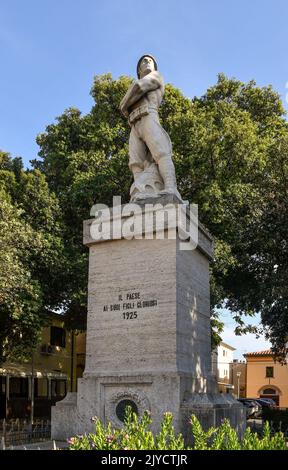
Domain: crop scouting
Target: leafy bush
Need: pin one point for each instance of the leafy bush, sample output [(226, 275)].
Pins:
[(135, 435)]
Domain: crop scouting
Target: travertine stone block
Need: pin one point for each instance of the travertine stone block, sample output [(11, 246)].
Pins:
[(148, 335)]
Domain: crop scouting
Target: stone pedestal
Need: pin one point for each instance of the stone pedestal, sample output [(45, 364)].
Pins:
[(148, 336)]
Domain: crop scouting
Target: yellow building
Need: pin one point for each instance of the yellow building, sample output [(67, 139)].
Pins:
[(266, 378), (42, 381)]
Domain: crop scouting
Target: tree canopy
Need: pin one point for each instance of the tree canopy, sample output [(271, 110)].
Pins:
[(30, 257), (230, 153)]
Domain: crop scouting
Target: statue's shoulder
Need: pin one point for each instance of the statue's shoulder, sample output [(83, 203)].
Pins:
[(156, 76)]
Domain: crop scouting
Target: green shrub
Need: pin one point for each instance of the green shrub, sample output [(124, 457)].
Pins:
[(136, 435)]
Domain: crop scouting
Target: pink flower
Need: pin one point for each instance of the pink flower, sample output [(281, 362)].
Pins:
[(71, 440)]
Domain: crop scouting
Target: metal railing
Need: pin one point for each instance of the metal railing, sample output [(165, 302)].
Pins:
[(258, 427), (18, 431)]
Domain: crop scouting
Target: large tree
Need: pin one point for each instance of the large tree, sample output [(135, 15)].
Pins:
[(31, 257), (230, 153)]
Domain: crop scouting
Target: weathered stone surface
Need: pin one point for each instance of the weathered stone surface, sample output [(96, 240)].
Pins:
[(148, 336)]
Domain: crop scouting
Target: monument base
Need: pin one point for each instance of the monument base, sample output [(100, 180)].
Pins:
[(157, 394), (148, 332)]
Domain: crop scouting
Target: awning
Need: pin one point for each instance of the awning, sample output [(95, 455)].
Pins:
[(226, 385), (24, 370)]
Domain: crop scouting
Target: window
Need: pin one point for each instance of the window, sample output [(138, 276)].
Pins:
[(269, 372), (269, 391), (58, 336), (2, 385), (224, 352), (18, 387), (40, 388)]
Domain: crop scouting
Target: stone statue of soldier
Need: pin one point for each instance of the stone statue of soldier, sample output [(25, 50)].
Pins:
[(150, 149)]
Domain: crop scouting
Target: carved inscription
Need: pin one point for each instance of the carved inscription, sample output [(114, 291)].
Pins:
[(130, 305)]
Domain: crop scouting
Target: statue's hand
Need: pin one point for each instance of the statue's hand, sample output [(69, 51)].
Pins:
[(133, 94)]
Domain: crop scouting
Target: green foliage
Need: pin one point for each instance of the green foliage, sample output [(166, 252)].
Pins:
[(136, 435), (31, 257), (85, 161), (230, 153), (20, 295)]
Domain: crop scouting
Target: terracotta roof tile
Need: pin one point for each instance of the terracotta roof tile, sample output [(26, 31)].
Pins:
[(267, 352)]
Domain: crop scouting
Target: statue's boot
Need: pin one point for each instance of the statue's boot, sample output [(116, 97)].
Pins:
[(167, 171)]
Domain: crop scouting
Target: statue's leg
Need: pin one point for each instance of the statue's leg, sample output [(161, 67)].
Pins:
[(167, 171), (159, 144), (137, 153)]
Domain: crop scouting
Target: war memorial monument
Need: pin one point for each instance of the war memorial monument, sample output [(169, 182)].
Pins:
[(148, 325)]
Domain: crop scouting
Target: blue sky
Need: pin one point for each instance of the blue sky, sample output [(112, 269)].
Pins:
[(244, 343), (51, 49)]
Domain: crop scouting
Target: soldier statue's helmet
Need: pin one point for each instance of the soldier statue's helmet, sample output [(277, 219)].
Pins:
[(141, 58)]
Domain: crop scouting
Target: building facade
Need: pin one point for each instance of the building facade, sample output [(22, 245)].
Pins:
[(31, 388), (238, 377), (267, 378), (222, 358)]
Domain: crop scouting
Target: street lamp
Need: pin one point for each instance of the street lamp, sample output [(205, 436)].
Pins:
[(238, 380)]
